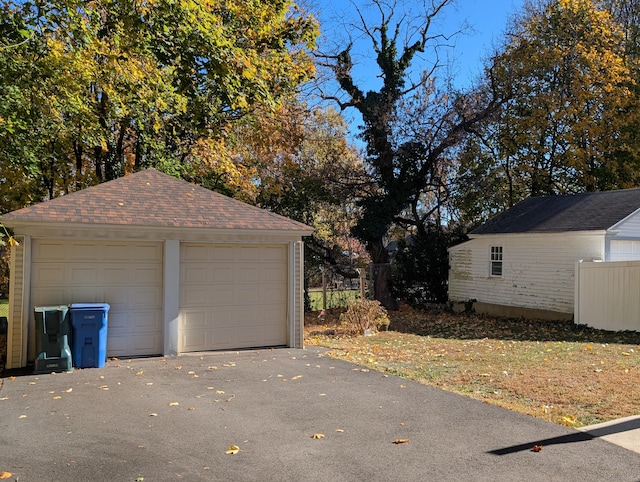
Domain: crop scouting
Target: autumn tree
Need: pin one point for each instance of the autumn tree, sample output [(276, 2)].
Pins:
[(300, 164), (89, 90), (571, 124), (412, 125)]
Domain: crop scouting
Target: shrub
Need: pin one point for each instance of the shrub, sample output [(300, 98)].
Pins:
[(366, 315)]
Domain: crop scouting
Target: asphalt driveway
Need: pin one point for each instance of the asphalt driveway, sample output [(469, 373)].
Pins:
[(159, 419)]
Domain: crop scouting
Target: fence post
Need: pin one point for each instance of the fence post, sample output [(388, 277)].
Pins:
[(576, 295), (361, 272), (324, 293)]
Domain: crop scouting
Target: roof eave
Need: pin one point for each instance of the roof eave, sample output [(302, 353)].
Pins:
[(29, 225)]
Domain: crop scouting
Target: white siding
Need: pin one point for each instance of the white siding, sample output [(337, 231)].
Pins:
[(296, 289), (608, 295), (17, 333), (628, 227), (538, 269)]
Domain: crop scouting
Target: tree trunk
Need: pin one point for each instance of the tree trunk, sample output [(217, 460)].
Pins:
[(380, 269)]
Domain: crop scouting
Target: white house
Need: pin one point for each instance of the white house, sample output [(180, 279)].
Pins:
[(182, 268), (523, 261)]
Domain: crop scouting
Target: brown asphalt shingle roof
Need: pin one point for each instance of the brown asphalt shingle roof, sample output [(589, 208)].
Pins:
[(152, 198), (594, 211)]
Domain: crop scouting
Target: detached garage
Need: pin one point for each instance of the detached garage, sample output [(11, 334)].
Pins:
[(182, 268)]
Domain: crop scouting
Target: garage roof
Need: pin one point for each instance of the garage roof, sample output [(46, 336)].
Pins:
[(595, 211), (152, 198)]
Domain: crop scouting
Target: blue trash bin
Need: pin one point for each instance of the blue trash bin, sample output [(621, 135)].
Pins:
[(89, 334)]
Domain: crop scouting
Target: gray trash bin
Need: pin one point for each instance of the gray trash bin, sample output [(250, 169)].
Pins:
[(52, 339)]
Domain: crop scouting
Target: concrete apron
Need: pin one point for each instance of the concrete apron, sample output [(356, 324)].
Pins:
[(624, 432)]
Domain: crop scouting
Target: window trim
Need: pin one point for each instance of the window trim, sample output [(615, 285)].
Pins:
[(496, 259)]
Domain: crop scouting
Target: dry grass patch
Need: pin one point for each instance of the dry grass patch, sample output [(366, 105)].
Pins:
[(556, 371)]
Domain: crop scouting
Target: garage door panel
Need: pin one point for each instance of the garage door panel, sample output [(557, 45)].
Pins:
[(126, 275), (83, 251), (50, 297), (275, 274), (115, 274), (48, 250), (145, 322), (83, 275), (146, 275), (222, 274), (626, 250), (239, 292), (248, 274), (194, 274), (47, 275)]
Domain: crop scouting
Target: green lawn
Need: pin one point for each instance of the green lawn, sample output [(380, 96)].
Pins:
[(4, 307), (335, 298)]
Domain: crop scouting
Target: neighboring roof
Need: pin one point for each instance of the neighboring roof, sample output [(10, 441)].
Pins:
[(152, 198), (580, 212)]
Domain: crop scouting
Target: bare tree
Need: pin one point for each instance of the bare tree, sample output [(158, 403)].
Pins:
[(411, 127)]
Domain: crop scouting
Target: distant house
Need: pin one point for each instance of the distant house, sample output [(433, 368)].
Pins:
[(523, 261)]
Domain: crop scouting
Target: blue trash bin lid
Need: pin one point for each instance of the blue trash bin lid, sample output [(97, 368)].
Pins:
[(90, 306)]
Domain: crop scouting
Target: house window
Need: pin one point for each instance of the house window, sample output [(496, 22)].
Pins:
[(496, 260)]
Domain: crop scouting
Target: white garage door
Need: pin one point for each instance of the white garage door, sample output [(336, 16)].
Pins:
[(624, 250), (126, 275), (232, 296)]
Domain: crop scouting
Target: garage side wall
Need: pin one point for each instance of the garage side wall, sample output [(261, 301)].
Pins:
[(18, 300), (296, 298), (538, 270)]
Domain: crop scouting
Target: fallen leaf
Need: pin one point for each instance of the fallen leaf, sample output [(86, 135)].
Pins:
[(317, 436), (153, 414), (104, 387), (401, 441), (57, 397), (11, 378), (139, 374), (536, 448), (173, 404), (191, 408), (219, 392), (191, 373), (4, 398), (69, 390), (139, 479), (31, 383), (5, 475), (22, 416), (232, 450), (339, 430), (213, 367)]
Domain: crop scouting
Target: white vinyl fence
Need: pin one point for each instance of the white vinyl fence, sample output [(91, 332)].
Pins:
[(607, 295)]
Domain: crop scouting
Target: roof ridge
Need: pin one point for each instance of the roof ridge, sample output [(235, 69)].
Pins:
[(153, 198)]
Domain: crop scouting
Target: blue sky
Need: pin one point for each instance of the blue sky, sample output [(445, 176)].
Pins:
[(487, 20)]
